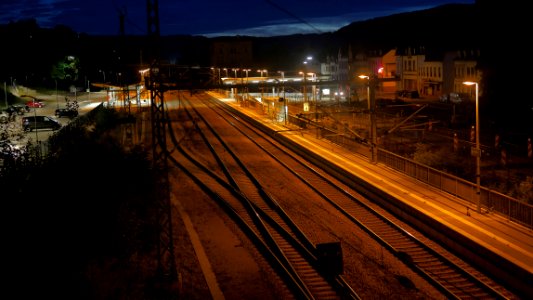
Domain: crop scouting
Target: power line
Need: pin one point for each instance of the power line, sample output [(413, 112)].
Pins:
[(124, 17), (293, 15)]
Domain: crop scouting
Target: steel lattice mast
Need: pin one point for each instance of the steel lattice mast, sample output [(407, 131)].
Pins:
[(166, 260)]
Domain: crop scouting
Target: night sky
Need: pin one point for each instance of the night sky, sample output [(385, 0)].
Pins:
[(208, 18)]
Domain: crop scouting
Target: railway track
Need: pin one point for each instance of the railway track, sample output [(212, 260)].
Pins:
[(226, 168), (257, 212)]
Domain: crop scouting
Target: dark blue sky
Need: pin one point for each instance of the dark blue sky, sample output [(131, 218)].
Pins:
[(208, 18)]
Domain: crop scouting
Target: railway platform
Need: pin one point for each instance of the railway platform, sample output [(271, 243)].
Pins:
[(480, 236)]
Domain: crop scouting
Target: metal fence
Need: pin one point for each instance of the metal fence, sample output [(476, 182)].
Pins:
[(490, 200)]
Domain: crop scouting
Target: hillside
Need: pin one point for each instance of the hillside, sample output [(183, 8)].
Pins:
[(441, 27)]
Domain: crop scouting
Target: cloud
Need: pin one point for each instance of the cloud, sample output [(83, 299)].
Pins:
[(45, 12), (208, 18)]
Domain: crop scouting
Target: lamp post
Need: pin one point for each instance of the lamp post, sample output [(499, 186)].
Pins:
[(315, 100), (372, 110), (304, 73), (235, 82), (261, 72), (219, 79), (285, 105), (246, 87), (367, 90), (246, 71), (477, 152), (304, 87), (103, 73)]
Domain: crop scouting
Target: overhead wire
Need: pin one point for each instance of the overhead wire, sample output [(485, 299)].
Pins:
[(277, 6), (122, 14)]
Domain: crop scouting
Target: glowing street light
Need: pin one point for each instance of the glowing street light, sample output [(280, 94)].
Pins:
[(235, 71), (235, 82), (263, 71), (304, 87), (477, 152), (246, 87), (103, 73), (246, 70), (219, 78), (307, 59), (367, 89)]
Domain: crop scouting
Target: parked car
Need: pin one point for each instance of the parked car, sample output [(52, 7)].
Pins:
[(30, 123), (454, 97), (11, 111), (19, 109), (408, 94), (35, 104), (66, 112)]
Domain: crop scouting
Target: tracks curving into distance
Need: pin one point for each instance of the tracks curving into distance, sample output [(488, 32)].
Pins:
[(246, 171)]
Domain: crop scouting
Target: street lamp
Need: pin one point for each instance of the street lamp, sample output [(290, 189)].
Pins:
[(285, 105), (304, 73), (477, 152), (304, 92), (103, 73), (313, 90), (235, 93), (372, 111), (246, 71), (263, 71), (367, 89), (219, 79), (235, 71), (246, 86)]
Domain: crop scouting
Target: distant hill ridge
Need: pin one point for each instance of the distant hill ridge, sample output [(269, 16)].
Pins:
[(444, 26)]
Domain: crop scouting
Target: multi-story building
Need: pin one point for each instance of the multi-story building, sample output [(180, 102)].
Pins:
[(465, 69), (409, 63), (429, 73), (431, 78)]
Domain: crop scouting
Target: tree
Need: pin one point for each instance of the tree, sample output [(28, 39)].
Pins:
[(66, 70)]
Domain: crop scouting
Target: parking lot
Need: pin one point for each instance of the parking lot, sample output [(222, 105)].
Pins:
[(50, 102)]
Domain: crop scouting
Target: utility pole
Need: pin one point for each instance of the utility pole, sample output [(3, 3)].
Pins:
[(372, 83), (166, 264)]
